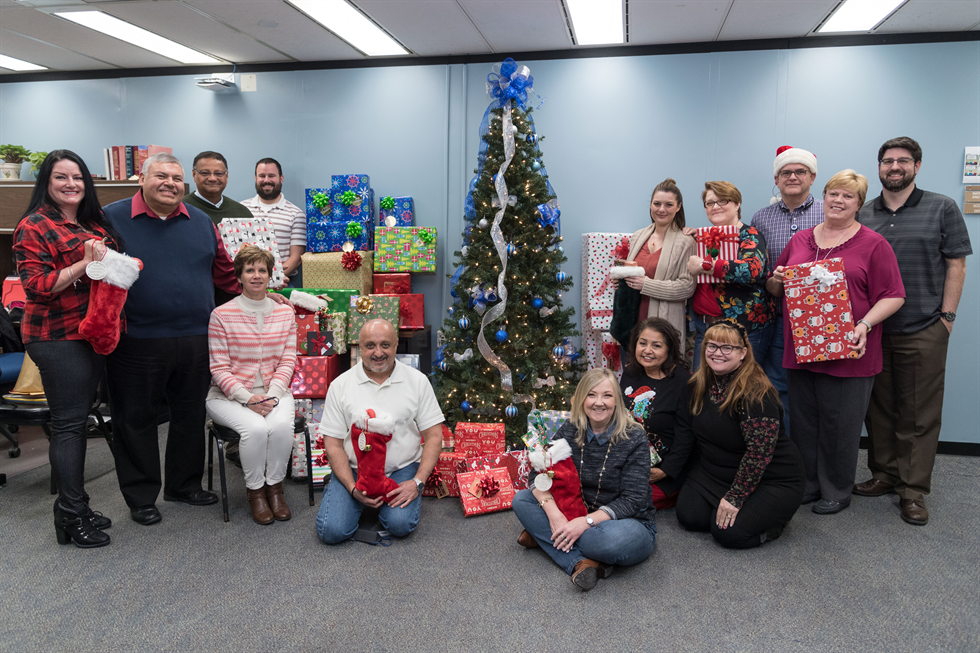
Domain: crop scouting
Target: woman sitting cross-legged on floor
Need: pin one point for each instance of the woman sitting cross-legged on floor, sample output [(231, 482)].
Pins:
[(252, 341), (748, 481), (611, 456)]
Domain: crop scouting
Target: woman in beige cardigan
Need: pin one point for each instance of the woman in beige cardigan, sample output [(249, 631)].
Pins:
[(663, 251)]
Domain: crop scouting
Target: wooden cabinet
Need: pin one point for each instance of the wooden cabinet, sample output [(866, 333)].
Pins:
[(15, 196)]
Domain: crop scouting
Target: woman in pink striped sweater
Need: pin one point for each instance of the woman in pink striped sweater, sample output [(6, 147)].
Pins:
[(252, 341)]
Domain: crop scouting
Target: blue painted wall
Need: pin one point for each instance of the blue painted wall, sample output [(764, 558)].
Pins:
[(613, 129)]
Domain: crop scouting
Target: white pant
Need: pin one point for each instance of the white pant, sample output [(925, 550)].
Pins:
[(267, 442)]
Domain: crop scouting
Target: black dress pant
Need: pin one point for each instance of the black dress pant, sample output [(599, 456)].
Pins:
[(695, 513), (146, 376)]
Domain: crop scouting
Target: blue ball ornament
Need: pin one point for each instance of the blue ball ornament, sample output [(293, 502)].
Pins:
[(536, 166), (464, 322), (561, 276), (442, 366), (537, 302), (511, 248), (466, 406), (501, 336), (511, 411), (532, 138), (452, 309), (559, 249), (558, 351)]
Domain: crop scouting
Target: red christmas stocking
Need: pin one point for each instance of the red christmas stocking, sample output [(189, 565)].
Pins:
[(100, 326), (370, 448), (556, 465)]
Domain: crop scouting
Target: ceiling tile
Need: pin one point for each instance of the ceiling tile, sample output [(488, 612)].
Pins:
[(933, 16), (675, 21), (43, 54), (773, 19), (65, 34), (181, 23), (517, 26), (427, 27), (281, 26)]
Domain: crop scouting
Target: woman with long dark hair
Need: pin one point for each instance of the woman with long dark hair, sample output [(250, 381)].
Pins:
[(63, 231)]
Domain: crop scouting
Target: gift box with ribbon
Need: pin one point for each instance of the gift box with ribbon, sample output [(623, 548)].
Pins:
[(237, 232), (819, 310), (396, 211), (406, 249), (339, 270), (320, 343), (476, 439), (393, 283), (515, 462), (321, 466), (319, 206), (442, 481), (352, 200), (716, 243), (335, 236), (599, 252), (485, 490), (370, 307), (411, 310), (313, 375), (602, 351), (305, 325), (545, 423)]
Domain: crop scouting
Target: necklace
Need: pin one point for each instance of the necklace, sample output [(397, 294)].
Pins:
[(581, 466), (817, 255)]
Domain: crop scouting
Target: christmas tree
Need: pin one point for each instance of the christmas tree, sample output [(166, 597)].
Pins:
[(506, 344)]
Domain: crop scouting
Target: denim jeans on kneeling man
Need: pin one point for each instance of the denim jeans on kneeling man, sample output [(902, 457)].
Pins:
[(339, 512)]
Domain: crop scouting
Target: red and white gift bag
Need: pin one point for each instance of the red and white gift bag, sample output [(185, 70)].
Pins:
[(599, 253), (238, 232)]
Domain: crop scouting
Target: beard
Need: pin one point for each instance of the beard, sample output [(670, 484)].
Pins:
[(269, 194), (897, 185)]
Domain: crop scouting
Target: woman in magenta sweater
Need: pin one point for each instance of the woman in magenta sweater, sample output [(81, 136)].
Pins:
[(252, 343)]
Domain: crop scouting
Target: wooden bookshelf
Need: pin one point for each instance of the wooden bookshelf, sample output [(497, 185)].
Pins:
[(15, 196)]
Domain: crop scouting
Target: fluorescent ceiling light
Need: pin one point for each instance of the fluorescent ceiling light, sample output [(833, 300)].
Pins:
[(859, 15), (141, 38), (16, 64), (596, 22), (351, 25)]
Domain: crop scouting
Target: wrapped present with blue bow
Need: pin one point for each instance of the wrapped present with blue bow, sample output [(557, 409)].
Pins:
[(397, 211)]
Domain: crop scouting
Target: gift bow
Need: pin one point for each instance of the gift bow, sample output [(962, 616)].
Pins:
[(320, 200), (610, 351), (426, 236), (487, 487), (713, 237), (622, 250), (320, 343), (511, 83), (821, 276), (540, 383), (321, 460), (351, 261), (348, 197), (364, 305), (387, 202), (354, 229), (466, 355), (435, 478)]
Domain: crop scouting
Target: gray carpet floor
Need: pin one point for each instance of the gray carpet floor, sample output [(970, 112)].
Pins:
[(861, 580)]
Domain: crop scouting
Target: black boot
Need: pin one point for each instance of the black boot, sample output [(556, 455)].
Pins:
[(70, 526), (98, 520)]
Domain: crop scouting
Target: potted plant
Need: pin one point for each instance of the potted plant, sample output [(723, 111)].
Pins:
[(36, 159), (13, 158)]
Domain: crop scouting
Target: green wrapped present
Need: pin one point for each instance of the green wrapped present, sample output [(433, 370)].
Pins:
[(370, 307), (405, 249), (336, 322)]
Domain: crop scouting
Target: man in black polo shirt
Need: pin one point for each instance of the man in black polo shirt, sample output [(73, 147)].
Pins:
[(931, 242)]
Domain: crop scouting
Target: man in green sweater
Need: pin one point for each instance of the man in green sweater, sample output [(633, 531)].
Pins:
[(211, 177)]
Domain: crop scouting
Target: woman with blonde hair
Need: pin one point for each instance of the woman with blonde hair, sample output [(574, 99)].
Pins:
[(612, 457), (748, 481)]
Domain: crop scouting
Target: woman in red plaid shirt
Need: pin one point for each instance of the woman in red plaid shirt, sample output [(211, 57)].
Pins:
[(63, 231)]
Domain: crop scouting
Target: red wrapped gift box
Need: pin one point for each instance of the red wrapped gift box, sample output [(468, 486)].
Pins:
[(515, 462), (819, 310), (442, 480), (392, 283), (304, 324), (473, 440), (716, 243), (478, 502), (411, 311), (313, 375)]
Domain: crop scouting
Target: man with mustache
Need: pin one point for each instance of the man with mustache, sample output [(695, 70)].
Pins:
[(404, 396), (287, 220), (931, 242)]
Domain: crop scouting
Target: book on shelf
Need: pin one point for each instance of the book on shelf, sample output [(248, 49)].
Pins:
[(124, 161)]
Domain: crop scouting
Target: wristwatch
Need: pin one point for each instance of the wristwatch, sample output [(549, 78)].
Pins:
[(865, 323), (418, 484), (589, 521), (949, 316)]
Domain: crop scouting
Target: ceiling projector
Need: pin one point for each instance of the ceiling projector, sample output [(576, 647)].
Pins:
[(217, 82)]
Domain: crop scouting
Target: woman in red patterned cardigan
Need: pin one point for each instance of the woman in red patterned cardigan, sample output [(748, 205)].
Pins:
[(252, 341)]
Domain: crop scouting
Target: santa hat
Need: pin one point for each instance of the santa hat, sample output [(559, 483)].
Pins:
[(788, 154), (112, 278)]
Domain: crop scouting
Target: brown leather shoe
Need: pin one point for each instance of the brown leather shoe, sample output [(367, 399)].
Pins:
[(914, 512), (277, 502), (873, 488), (260, 506), (586, 574), (527, 541)]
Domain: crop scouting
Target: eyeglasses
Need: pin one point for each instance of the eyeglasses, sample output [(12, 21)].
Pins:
[(800, 174), (208, 173), (712, 348), (710, 203), (904, 161)]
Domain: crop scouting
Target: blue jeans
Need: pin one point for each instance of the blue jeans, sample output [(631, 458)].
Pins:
[(756, 339), (296, 281), (622, 542), (772, 364), (339, 512)]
